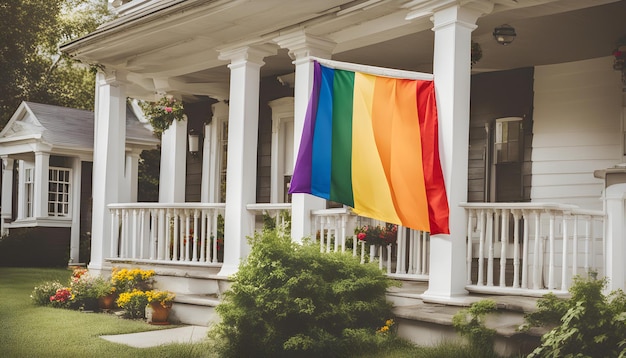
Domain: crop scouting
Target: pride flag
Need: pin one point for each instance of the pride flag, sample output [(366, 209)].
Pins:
[(370, 142)]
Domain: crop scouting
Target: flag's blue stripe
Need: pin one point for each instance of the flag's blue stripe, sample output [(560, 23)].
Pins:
[(322, 139)]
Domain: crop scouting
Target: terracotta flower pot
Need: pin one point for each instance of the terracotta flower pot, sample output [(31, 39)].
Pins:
[(157, 314), (107, 302)]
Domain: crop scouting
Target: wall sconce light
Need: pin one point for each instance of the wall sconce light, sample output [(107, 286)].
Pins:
[(504, 34), (194, 142)]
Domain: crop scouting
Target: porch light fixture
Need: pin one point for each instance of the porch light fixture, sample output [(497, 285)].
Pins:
[(504, 34), (194, 142)]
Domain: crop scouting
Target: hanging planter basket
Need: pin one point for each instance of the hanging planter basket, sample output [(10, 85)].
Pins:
[(162, 113)]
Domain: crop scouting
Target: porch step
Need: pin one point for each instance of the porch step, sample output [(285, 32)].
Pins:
[(195, 309)]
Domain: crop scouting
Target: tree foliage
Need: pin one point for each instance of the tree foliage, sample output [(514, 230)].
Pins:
[(33, 69)]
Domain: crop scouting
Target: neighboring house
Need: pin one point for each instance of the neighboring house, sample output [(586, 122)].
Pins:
[(530, 162), (47, 154)]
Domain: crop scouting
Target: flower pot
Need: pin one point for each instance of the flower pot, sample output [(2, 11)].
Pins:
[(157, 314), (107, 302)]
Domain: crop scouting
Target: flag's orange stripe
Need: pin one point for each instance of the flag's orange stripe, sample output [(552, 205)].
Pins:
[(398, 139)]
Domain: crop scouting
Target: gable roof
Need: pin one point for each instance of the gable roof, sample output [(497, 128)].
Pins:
[(67, 128)]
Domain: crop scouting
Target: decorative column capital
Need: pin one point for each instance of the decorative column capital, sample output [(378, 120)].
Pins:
[(302, 45), (247, 54), (110, 77), (446, 12)]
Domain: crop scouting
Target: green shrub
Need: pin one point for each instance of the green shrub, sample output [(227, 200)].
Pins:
[(42, 292), (590, 324), (470, 323), (289, 300), (134, 303)]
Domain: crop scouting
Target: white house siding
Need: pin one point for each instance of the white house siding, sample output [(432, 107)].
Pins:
[(577, 129)]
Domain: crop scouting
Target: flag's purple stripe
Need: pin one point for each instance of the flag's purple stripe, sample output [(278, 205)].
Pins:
[(322, 139), (301, 179)]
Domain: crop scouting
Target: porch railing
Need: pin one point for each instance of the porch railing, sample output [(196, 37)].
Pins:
[(167, 233), (407, 259), (531, 247)]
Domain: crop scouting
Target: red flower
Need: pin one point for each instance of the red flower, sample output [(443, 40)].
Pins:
[(361, 236), (168, 109)]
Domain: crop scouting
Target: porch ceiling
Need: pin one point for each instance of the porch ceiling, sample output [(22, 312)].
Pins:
[(173, 46)]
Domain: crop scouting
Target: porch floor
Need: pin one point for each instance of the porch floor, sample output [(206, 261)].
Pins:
[(417, 314)]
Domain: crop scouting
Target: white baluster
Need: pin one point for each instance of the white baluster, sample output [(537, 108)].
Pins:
[(490, 238), (587, 240), (164, 237), (575, 248), (468, 258), (154, 224), (516, 248), (194, 238), (564, 256), (414, 252), (536, 271), (551, 284), (425, 245), (203, 228), (214, 234), (504, 240), (388, 258), (481, 249), (525, 251), (134, 237)]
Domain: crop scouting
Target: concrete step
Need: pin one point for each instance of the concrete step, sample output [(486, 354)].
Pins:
[(195, 309)]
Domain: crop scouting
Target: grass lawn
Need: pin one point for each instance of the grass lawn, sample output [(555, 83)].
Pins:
[(29, 331), (33, 331)]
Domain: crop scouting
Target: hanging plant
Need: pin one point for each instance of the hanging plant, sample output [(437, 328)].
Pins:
[(476, 53), (162, 113)]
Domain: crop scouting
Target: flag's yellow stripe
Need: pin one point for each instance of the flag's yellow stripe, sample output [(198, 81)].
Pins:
[(372, 195)]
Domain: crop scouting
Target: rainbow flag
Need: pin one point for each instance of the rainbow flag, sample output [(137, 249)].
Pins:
[(370, 142)]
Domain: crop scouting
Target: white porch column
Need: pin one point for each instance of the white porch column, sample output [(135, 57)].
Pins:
[(173, 163), (211, 166), (40, 182), (243, 122), (615, 249), (75, 229), (108, 162), (7, 193), (131, 175), (282, 151), (453, 26), (301, 46)]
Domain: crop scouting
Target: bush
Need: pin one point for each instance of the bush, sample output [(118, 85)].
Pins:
[(589, 324), (289, 300), (134, 303), (470, 323), (125, 280), (41, 293)]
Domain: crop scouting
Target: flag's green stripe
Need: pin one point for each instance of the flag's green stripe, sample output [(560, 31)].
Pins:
[(341, 166)]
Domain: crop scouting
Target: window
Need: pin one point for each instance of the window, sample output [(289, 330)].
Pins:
[(59, 192), (28, 189)]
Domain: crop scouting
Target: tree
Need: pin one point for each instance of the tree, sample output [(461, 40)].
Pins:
[(32, 68)]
